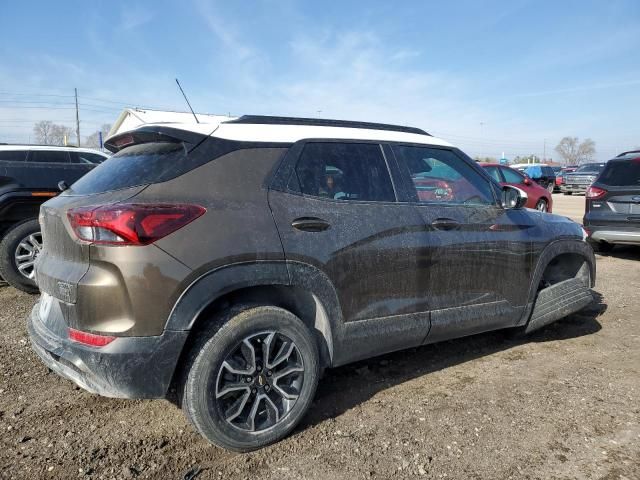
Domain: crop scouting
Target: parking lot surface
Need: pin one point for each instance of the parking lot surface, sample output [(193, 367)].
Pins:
[(561, 404)]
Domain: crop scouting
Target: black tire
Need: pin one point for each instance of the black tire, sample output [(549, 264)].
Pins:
[(206, 371), (8, 267), (602, 247), (568, 193), (539, 205)]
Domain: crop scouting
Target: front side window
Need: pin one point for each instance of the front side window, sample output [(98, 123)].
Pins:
[(344, 171), (442, 176), (51, 156), (512, 176), (494, 173)]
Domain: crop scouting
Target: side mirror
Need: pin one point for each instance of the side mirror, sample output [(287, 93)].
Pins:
[(513, 197)]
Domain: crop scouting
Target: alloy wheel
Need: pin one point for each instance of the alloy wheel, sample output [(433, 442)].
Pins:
[(26, 253), (259, 382)]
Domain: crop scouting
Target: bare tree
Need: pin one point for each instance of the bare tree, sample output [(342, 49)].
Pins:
[(93, 140), (49, 133), (60, 135), (42, 132), (574, 152)]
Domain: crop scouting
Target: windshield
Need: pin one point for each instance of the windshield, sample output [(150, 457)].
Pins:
[(590, 168)]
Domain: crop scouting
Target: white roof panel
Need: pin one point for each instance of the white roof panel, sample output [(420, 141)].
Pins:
[(218, 126)]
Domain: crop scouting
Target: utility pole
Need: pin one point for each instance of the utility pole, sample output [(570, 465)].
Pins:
[(77, 118)]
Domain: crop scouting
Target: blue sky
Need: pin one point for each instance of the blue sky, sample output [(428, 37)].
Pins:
[(488, 76)]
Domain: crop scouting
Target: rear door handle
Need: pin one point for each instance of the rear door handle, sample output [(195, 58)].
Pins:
[(445, 224), (310, 224)]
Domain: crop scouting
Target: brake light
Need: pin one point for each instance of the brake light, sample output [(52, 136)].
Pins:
[(130, 224), (124, 141), (594, 193), (91, 339)]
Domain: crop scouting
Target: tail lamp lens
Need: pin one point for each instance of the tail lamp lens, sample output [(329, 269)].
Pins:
[(130, 224), (594, 193), (91, 339)]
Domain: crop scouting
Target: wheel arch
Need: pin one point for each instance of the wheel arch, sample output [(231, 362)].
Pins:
[(299, 288), (564, 257)]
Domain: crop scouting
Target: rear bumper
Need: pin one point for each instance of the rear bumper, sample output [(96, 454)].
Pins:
[(616, 236), (129, 367)]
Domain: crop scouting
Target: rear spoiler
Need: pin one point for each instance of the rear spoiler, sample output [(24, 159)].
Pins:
[(152, 134)]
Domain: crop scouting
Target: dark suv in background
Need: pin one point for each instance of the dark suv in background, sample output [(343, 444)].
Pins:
[(612, 214), (232, 267), (581, 178), (29, 175)]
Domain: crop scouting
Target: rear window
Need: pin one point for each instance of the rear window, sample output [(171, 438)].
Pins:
[(13, 155), (621, 174), (136, 165)]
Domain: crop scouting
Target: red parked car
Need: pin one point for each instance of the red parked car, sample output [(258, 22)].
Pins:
[(538, 197)]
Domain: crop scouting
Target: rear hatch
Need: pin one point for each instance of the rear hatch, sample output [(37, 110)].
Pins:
[(145, 158), (614, 199)]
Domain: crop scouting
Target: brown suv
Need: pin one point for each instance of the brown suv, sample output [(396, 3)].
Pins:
[(232, 263)]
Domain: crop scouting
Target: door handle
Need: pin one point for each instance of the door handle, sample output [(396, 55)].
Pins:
[(445, 224), (310, 224)]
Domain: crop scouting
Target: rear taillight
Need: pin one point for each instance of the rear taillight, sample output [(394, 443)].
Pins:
[(130, 224), (91, 339), (593, 193)]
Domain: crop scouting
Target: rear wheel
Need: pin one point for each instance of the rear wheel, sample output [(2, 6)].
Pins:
[(541, 206), (253, 380), (19, 249)]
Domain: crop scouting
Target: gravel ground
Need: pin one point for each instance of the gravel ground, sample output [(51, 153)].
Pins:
[(563, 404)]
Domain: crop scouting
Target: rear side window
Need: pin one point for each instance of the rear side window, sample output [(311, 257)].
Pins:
[(13, 155), (621, 174), (344, 171), (442, 176), (48, 156), (136, 165)]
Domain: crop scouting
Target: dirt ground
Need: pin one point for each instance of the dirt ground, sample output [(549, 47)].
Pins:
[(563, 404)]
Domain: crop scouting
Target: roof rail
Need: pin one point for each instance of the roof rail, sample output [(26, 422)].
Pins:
[(323, 122), (628, 152)]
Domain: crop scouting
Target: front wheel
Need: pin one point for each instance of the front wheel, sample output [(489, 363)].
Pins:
[(19, 249), (253, 380), (541, 206)]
